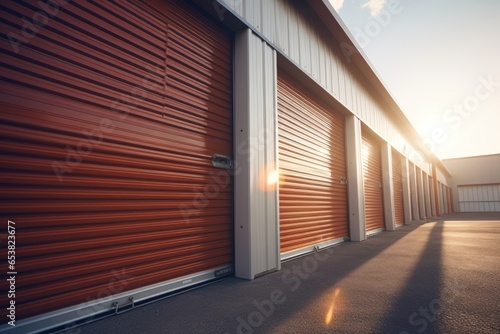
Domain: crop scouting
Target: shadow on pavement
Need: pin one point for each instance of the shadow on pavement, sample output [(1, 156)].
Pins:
[(258, 306), (417, 308)]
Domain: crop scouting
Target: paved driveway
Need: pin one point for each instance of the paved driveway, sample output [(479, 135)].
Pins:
[(434, 277)]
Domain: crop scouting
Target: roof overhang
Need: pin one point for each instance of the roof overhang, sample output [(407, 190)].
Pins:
[(335, 25), (354, 51)]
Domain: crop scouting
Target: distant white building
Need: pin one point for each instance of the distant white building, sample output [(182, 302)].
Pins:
[(475, 183)]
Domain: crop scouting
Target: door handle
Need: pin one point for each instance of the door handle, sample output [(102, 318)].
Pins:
[(222, 161)]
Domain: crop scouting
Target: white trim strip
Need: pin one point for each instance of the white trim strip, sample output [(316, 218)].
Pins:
[(86, 312), (310, 249), (373, 232)]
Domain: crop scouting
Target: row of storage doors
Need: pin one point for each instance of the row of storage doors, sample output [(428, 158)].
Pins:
[(109, 122), (313, 192), (372, 184), (425, 198)]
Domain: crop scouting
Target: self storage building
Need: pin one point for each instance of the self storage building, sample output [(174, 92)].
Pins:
[(151, 146)]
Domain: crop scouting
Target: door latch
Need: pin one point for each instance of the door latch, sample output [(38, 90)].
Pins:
[(222, 161)]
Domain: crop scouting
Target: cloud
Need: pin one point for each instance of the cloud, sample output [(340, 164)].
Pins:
[(337, 4), (375, 6)]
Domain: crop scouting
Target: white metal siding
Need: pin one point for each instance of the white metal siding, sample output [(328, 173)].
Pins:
[(297, 32), (441, 177), (479, 198), (475, 170)]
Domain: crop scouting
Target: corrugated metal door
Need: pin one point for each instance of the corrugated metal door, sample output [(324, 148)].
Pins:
[(110, 114), (397, 181), (372, 182), (313, 203)]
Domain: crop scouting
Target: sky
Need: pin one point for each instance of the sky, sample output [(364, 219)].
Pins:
[(440, 60)]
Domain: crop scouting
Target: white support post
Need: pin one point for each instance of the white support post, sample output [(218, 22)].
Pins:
[(421, 199), (256, 226), (355, 182), (405, 170), (414, 195), (388, 187)]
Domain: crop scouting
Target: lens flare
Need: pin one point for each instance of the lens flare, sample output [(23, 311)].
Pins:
[(330, 313), (273, 177), (269, 178)]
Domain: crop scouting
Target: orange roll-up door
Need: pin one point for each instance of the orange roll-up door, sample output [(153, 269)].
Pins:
[(312, 196), (109, 119), (372, 182)]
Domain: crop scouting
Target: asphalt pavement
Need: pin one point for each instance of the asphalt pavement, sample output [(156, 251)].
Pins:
[(438, 276)]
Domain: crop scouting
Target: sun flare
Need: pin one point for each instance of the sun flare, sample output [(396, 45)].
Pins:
[(330, 313)]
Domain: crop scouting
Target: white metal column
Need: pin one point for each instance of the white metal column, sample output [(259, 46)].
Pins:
[(388, 187), (414, 195), (355, 182), (256, 226), (427, 194), (405, 170), (421, 200), (432, 197)]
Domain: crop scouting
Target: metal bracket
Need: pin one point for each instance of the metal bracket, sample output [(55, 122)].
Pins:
[(343, 180), (222, 161), (131, 304)]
